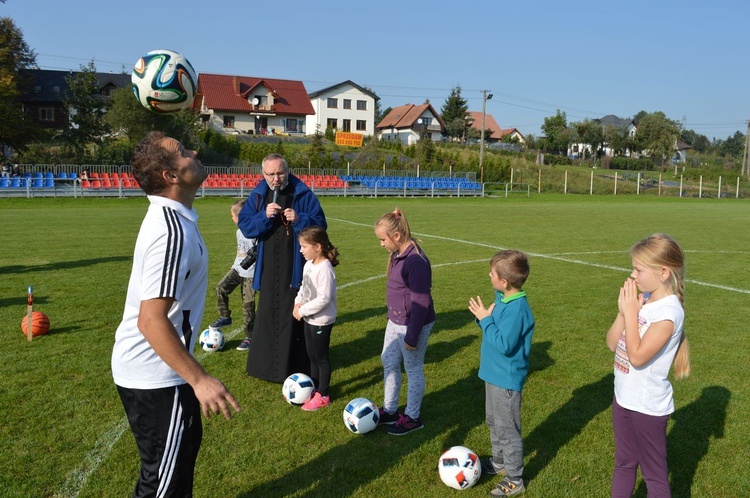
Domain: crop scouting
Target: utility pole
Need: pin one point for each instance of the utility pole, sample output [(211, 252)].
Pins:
[(485, 97), (746, 156)]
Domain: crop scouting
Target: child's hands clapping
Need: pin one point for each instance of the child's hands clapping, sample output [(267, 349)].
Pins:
[(477, 308)]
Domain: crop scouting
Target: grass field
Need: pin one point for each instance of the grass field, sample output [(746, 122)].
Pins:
[(63, 430)]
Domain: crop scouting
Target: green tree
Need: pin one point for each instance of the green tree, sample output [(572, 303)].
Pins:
[(733, 146), (589, 133), (454, 113), (16, 130), (128, 117), (557, 134), (376, 111), (86, 108), (657, 135)]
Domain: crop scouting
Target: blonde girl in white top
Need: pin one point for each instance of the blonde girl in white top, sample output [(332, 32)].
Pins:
[(647, 337)]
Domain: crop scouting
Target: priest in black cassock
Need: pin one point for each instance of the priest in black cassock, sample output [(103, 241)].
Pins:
[(276, 210)]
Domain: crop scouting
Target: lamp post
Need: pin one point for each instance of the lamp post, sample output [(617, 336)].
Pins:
[(485, 98)]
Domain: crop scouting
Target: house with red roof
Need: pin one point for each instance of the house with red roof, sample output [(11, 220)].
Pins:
[(345, 106), (247, 104), (410, 123), (496, 133)]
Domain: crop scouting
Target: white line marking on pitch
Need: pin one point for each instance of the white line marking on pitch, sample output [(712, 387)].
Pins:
[(103, 445), (557, 258)]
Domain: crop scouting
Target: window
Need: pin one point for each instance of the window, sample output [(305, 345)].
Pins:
[(361, 105), (333, 103), (361, 125), (291, 125), (46, 114), (347, 103), (332, 123), (347, 125), (228, 121), (426, 121)]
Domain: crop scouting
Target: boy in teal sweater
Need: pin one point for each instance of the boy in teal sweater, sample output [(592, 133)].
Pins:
[(507, 327)]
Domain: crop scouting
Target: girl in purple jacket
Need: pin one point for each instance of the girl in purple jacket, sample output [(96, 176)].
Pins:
[(411, 315)]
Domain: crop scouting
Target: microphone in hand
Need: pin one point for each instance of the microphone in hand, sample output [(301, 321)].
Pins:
[(275, 199)]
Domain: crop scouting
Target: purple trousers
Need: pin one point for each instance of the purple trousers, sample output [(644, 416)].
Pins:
[(640, 440)]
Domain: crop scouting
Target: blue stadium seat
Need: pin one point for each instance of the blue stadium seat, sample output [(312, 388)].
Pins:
[(49, 182), (4, 182)]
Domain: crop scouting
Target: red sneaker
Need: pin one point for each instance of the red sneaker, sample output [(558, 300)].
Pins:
[(316, 402)]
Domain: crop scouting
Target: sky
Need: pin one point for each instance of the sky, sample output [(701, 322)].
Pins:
[(687, 59)]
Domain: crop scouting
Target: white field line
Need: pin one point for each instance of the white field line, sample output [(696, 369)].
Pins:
[(564, 259), (103, 445)]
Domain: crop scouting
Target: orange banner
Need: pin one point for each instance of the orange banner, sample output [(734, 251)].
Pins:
[(349, 139)]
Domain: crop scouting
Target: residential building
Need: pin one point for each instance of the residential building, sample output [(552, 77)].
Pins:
[(410, 123), (343, 107), (248, 104), (609, 121), (493, 131), (44, 101)]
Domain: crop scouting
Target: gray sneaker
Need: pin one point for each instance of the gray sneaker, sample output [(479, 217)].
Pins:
[(506, 487), (222, 321), (244, 345)]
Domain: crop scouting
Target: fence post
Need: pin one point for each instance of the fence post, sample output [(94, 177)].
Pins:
[(680, 185), (591, 187), (539, 189), (737, 195), (565, 185), (638, 184), (700, 188), (718, 194), (511, 175), (615, 182), (659, 184)]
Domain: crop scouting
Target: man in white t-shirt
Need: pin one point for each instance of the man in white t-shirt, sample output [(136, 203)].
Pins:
[(162, 387)]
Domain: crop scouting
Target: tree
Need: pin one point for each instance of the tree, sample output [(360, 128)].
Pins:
[(378, 116), (657, 135), (589, 133), (16, 130), (128, 117), (454, 113), (557, 135), (86, 108), (733, 146)]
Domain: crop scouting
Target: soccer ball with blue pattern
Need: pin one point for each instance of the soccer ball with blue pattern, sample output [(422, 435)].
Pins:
[(361, 416), (459, 467), (212, 339), (164, 81), (298, 388)]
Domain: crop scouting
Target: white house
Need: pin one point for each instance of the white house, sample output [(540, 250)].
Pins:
[(410, 123), (343, 107), (607, 122)]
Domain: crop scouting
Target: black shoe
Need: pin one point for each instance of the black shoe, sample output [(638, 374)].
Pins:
[(221, 322), (387, 418), (489, 468), (405, 425)]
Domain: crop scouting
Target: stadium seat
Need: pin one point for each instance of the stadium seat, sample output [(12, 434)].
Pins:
[(115, 182), (49, 183), (126, 183), (62, 175), (72, 175), (4, 182), (96, 184), (85, 184), (123, 176), (15, 182), (94, 175)]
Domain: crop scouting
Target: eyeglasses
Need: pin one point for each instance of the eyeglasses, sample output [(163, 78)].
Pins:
[(276, 175)]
